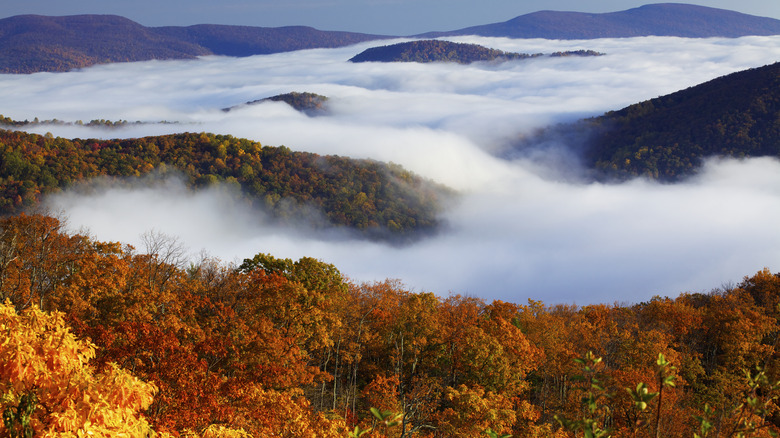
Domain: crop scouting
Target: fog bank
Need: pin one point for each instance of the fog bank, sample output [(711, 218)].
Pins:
[(520, 231)]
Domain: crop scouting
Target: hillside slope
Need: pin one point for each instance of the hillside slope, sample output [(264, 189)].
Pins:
[(311, 104), (32, 43), (378, 200), (737, 115)]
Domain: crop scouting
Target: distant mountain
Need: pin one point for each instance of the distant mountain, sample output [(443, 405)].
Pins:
[(666, 138), (664, 19), (33, 43), (248, 41)]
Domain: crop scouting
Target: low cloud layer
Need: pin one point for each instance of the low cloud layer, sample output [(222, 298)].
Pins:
[(517, 233)]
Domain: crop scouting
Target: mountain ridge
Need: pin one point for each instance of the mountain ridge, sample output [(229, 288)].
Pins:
[(31, 43), (248, 40), (658, 19), (35, 43)]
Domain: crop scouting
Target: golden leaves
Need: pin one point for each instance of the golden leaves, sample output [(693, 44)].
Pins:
[(39, 355)]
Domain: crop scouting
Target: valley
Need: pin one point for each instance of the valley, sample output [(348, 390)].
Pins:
[(563, 224)]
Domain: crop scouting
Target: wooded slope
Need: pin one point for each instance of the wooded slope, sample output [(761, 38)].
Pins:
[(737, 115), (378, 200)]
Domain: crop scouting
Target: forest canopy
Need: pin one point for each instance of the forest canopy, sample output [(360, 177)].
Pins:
[(285, 348)]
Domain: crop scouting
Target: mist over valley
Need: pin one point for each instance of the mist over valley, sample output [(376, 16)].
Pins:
[(533, 226)]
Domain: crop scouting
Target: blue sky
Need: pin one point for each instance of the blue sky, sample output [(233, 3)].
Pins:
[(391, 17)]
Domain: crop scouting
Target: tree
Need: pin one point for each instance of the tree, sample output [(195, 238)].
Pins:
[(35, 257), (50, 390), (470, 411)]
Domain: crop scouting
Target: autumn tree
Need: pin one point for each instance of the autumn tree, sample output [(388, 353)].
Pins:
[(48, 388)]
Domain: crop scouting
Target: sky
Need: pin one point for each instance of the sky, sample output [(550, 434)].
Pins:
[(386, 17), (522, 228)]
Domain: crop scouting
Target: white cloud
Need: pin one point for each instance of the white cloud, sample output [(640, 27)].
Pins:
[(517, 233)]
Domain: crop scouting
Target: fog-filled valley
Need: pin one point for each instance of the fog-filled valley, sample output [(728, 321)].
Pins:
[(524, 228)]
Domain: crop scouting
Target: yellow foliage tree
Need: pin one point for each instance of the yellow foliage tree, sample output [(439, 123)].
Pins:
[(473, 410), (48, 388), (284, 415)]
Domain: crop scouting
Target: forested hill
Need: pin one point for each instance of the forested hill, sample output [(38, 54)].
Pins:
[(665, 19), (378, 200), (311, 104), (435, 51), (737, 115), (33, 43)]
